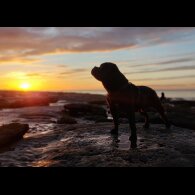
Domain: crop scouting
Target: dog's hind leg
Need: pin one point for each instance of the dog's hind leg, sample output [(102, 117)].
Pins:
[(161, 111), (133, 137), (147, 124)]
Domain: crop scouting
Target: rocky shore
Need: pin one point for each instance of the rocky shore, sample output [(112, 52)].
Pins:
[(76, 134), (84, 145)]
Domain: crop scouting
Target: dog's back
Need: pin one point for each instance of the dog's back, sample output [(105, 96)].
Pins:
[(147, 96)]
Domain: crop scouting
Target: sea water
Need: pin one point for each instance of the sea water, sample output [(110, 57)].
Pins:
[(176, 94)]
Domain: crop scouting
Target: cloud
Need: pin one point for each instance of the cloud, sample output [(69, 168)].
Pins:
[(15, 74), (41, 74), (73, 71), (178, 68), (177, 61), (27, 75), (23, 42), (174, 61), (16, 59), (165, 78), (62, 66), (164, 69), (33, 75)]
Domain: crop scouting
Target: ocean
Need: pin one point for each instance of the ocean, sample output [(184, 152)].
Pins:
[(175, 94)]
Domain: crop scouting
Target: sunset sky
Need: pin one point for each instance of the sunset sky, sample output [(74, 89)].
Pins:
[(61, 58)]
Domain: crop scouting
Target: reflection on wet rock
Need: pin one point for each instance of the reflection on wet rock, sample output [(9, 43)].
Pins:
[(81, 145)]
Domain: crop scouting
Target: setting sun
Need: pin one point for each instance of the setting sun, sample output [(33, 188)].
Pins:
[(25, 86)]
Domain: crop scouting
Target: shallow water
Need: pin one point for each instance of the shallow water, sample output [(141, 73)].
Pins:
[(60, 103), (30, 115)]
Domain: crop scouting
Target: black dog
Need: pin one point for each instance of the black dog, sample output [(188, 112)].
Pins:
[(127, 97)]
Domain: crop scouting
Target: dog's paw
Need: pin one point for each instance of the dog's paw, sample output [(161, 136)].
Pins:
[(114, 132), (168, 125), (133, 142), (133, 145), (146, 126)]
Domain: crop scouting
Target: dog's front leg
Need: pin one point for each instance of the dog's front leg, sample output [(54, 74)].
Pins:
[(133, 137), (114, 113)]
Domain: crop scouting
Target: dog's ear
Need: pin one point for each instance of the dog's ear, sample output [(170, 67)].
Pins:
[(115, 74), (118, 78), (113, 79), (109, 71)]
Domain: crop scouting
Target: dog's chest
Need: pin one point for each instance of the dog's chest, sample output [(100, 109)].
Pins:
[(122, 99)]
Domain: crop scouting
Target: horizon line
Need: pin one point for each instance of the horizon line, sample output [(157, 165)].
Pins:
[(77, 91)]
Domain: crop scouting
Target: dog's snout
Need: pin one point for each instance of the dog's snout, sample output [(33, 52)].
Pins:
[(96, 73), (94, 70)]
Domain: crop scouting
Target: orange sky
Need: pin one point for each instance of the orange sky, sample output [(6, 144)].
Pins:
[(61, 59)]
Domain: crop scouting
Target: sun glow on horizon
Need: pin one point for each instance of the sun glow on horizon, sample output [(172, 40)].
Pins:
[(25, 86)]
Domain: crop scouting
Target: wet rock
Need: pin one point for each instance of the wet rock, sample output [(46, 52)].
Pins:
[(123, 120), (80, 110), (81, 97), (141, 140), (182, 119), (28, 102), (183, 102), (12, 132), (161, 145), (97, 119), (102, 119), (143, 159), (92, 145), (65, 119), (100, 102)]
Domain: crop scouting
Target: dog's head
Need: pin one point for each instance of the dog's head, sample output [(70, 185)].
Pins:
[(109, 74), (105, 71)]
